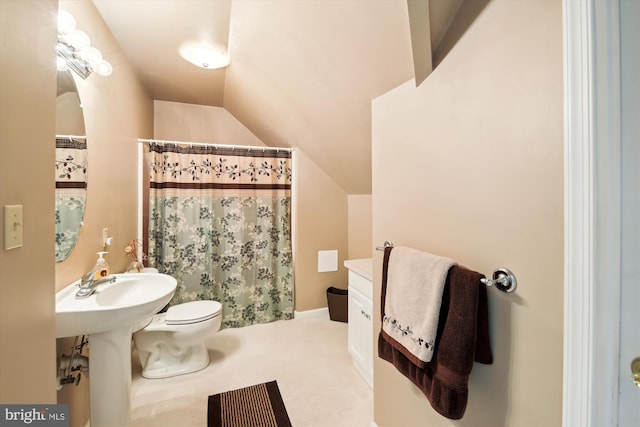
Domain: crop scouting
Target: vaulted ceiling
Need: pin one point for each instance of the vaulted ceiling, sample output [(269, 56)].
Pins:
[(302, 72)]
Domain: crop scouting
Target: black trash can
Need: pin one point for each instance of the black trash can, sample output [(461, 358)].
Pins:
[(338, 303)]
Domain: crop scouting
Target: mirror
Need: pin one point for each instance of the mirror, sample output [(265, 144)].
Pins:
[(71, 165)]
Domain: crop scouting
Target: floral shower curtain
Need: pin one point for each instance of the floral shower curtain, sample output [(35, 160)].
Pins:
[(220, 223), (71, 189)]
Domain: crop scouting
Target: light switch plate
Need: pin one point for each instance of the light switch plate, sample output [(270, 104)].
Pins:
[(12, 226)]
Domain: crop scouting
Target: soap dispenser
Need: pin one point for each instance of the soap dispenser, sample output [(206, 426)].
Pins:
[(101, 267)]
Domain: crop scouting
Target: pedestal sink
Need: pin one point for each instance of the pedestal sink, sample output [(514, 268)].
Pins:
[(107, 317)]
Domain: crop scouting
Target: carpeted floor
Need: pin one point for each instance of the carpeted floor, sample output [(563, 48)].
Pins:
[(308, 358)]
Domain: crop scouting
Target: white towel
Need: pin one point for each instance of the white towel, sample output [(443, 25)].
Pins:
[(415, 284)]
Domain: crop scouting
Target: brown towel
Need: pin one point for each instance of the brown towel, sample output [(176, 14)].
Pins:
[(463, 336)]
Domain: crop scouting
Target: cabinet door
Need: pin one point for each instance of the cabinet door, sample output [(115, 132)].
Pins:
[(367, 339), (360, 337), (356, 327)]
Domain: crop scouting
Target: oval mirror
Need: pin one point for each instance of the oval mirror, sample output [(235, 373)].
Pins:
[(71, 165)]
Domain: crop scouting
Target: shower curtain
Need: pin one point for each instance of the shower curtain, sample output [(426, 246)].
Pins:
[(71, 189), (220, 223)]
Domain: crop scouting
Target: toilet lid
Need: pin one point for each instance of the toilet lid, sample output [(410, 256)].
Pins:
[(192, 312)]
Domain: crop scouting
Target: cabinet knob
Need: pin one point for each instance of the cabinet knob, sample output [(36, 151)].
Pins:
[(635, 371)]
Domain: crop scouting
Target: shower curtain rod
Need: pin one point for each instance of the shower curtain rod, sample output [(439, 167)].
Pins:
[(71, 137), (210, 144)]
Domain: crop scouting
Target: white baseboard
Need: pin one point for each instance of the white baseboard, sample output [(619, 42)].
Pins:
[(312, 314)]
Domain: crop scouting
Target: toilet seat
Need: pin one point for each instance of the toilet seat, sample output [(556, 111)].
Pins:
[(192, 312)]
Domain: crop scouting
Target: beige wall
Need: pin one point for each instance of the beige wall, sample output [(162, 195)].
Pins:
[(176, 121), (27, 155), (117, 111), (320, 225), (359, 211), (69, 115), (477, 158)]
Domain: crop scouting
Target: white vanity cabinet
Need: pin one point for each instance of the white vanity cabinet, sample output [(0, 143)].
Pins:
[(360, 327)]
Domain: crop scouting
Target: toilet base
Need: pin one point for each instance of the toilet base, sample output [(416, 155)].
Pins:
[(169, 349), (194, 358)]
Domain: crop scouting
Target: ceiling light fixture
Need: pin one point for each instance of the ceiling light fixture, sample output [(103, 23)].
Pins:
[(204, 55), (75, 51)]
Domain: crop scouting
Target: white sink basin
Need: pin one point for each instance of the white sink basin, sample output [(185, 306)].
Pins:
[(132, 298)]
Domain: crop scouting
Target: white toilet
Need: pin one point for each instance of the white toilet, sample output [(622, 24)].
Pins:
[(172, 343)]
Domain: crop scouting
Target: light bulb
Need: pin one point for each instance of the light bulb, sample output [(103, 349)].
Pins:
[(91, 55), (61, 65), (66, 23), (103, 69), (78, 39)]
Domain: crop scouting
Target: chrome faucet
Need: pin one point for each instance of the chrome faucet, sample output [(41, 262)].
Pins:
[(88, 283)]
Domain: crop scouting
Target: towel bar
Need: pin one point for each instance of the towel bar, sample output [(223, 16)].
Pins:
[(386, 244), (503, 279)]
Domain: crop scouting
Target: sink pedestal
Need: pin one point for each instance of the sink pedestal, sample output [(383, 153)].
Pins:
[(107, 317), (110, 378)]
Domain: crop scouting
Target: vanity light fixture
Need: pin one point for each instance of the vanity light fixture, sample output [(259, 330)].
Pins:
[(75, 51), (204, 55)]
